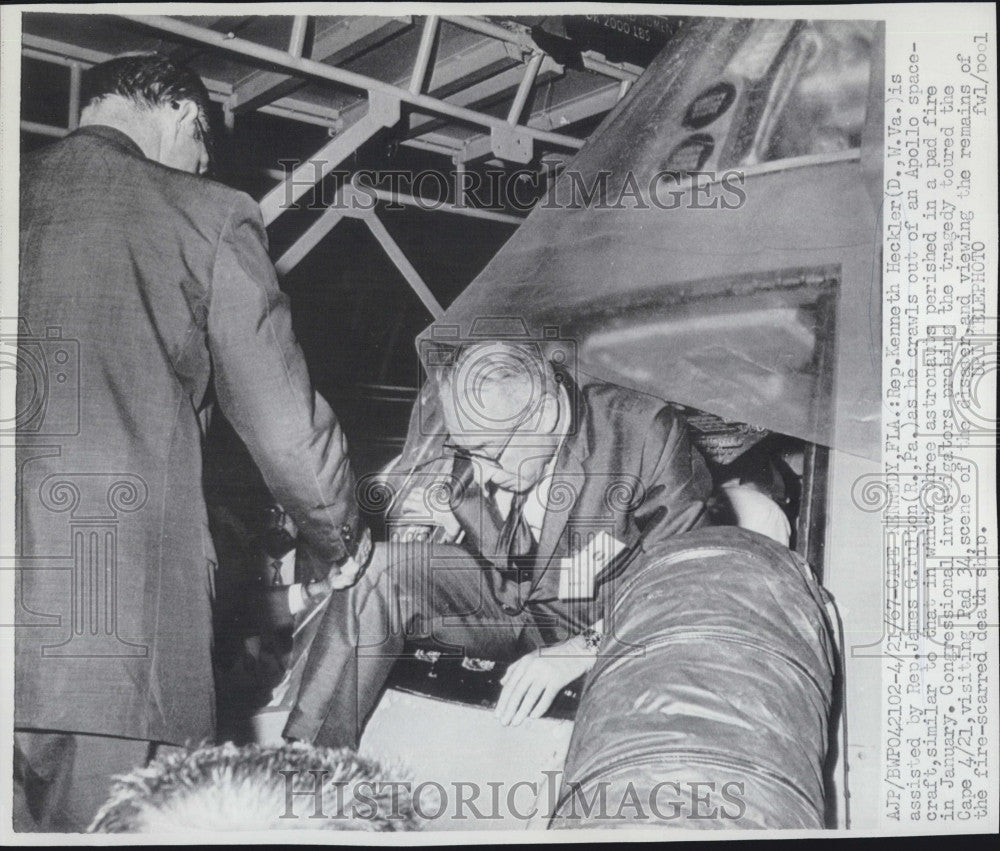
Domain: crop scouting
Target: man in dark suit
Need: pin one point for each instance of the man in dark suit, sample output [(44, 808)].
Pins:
[(149, 287), (526, 469)]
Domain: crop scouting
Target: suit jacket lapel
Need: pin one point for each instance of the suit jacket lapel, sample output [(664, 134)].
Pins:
[(568, 478), (481, 532)]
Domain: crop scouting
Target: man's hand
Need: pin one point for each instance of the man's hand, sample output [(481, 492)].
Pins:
[(345, 576), (533, 681)]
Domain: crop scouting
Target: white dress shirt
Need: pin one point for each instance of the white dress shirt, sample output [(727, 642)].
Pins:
[(536, 499)]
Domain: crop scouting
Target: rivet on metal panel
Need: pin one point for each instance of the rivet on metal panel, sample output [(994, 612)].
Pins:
[(511, 145)]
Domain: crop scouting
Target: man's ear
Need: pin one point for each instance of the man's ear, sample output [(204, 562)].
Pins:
[(184, 114), (549, 414)]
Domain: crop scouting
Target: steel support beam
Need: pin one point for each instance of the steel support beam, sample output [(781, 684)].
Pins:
[(334, 44), (303, 112), (399, 259), (524, 89), (43, 129), (624, 71), (48, 50), (460, 208), (490, 90), (434, 206), (518, 37), (297, 40), (452, 72), (455, 71), (60, 58), (382, 112), (460, 188), (62, 53), (435, 143), (309, 240), (566, 112), (185, 54), (348, 204), (75, 76), (592, 60), (427, 36), (317, 70)]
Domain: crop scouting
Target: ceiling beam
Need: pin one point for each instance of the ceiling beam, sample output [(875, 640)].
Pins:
[(555, 115), (383, 111), (482, 93), (435, 143), (185, 54), (333, 45), (50, 50), (62, 53), (519, 35), (490, 90), (451, 72), (341, 76)]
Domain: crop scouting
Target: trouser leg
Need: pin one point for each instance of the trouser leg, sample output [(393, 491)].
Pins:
[(410, 593), (337, 692), (61, 779)]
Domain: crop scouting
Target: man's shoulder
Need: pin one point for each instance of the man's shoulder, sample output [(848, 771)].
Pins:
[(616, 400), (206, 195), (121, 169)]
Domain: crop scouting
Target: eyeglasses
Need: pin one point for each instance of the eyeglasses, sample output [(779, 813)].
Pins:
[(494, 459)]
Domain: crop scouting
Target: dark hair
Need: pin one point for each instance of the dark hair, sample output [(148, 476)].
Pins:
[(149, 80)]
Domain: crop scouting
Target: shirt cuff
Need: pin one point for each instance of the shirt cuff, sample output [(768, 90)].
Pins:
[(295, 602)]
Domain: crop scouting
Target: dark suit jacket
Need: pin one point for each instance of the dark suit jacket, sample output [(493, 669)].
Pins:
[(141, 286), (626, 467)]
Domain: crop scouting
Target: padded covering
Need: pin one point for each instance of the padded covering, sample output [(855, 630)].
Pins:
[(717, 668)]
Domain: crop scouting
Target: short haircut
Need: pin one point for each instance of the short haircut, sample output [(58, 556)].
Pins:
[(149, 80), (253, 787)]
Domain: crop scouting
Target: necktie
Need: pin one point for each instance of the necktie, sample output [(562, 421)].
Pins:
[(501, 540), (516, 540)]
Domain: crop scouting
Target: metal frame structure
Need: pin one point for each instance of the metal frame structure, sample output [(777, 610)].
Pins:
[(505, 60)]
